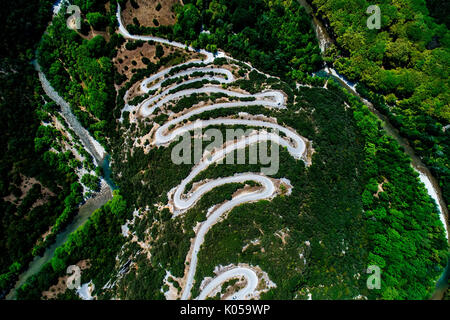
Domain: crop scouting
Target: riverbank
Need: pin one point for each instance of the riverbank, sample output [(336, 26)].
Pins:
[(425, 175), (431, 184), (84, 212), (95, 202)]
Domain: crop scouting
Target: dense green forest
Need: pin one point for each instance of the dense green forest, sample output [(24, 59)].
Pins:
[(274, 36), (169, 245), (386, 245), (406, 237), (359, 203), (97, 240), (81, 70), (440, 9), (35, 151), (23, 158), (376, 158), (403, 68)]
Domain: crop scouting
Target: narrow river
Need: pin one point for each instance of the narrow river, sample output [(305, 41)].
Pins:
[(92, 204), (84, 213), (100, 157), (425, 175), (86, 209)]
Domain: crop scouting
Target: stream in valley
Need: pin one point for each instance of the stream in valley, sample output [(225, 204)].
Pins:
[(83, 215), (100, 157)]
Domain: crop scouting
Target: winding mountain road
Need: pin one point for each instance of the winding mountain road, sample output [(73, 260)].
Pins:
[(179, 202), (243, 294)]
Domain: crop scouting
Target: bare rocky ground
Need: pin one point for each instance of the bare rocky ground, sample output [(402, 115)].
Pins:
[(147, 12)]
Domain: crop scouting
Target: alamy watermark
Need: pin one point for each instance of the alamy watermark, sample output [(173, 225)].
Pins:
[(74, 21), (74, 280), (374, 280), (231, 150), (374, 21)]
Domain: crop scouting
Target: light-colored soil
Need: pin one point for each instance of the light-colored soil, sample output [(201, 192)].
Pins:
[(309, 152), (27, 183), (282, 234), (92, 32), (124, 59), (147, 12), (61, 286), (380, 187)]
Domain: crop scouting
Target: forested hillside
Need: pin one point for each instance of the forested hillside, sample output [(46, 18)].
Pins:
[(97, 241), (37, 190), (404, 68), (45, 172), (357, 203), (79, 67), (274, 36)]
